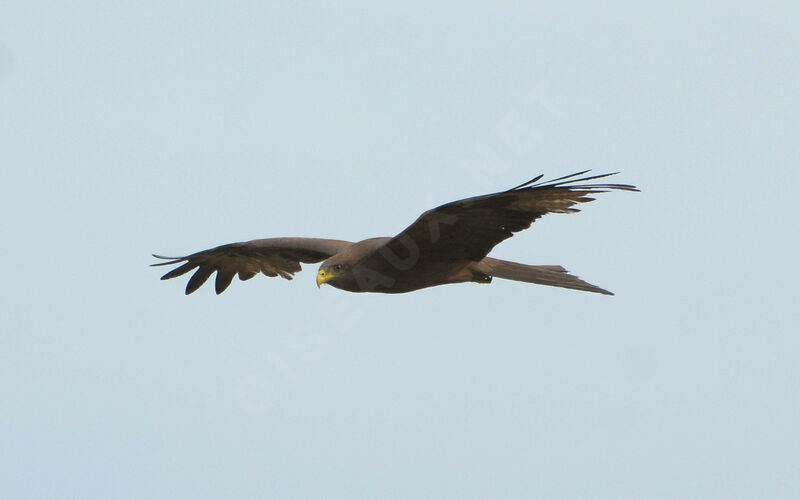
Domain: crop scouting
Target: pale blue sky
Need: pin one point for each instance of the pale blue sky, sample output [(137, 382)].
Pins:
[(173, 127)]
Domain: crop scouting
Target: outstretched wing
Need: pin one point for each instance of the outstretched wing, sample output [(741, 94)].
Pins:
[(271, 256), (466, 230)]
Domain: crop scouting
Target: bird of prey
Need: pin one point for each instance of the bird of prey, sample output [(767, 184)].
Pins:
[(448, 244)]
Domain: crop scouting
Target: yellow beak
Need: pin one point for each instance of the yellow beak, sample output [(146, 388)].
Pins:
[(323, 277)]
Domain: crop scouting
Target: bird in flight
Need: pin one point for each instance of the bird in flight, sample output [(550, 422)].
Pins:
[(447, 244)]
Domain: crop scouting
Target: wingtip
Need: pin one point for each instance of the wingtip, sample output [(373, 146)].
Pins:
[(527, 183), (168, 260), (165, 258)]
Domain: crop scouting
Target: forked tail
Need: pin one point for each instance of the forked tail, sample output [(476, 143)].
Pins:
[(541, 275)]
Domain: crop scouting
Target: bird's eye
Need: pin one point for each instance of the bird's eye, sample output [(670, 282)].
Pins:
[(337, 267)]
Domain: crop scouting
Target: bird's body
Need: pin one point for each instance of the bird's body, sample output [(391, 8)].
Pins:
[(403, 279), (445, 245)]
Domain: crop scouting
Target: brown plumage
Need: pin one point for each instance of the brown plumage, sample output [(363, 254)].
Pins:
[(448, 244)]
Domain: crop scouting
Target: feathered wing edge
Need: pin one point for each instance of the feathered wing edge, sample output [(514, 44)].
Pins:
[(572, 182)]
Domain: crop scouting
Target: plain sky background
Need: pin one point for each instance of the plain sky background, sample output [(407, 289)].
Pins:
[(170, 127)]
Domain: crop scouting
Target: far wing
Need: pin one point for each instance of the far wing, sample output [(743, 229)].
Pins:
[(271, 256), (466, 230)]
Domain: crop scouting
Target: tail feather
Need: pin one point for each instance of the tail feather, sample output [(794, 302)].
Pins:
[(542, 275)]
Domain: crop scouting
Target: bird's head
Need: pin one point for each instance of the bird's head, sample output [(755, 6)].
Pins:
[(334, 272)]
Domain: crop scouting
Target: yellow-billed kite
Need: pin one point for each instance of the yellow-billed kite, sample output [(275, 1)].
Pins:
[(448, 244)]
